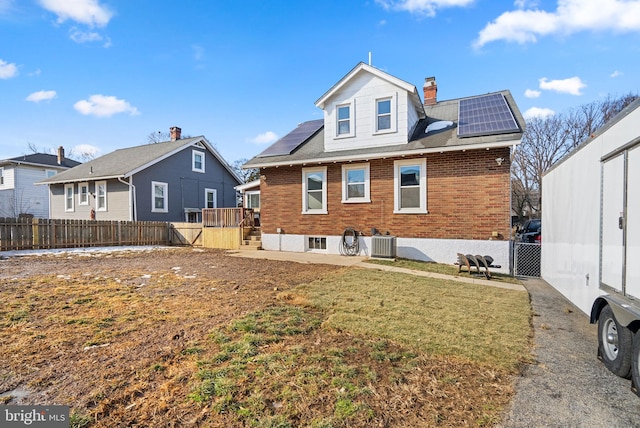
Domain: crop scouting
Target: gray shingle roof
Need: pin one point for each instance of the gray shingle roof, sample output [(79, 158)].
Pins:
[(43, 159), (312, 150), (124, 162)]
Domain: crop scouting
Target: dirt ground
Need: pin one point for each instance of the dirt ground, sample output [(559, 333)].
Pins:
[(119, 337)]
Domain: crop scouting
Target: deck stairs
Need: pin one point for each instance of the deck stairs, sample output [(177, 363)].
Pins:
[(253, 241)]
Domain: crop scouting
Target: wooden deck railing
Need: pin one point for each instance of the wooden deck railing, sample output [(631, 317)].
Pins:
[(227, 217)]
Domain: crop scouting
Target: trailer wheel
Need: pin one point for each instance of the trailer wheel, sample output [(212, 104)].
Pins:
[(635, 364), (615, 344)]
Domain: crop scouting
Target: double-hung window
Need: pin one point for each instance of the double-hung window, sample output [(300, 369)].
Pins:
[(197, 161), (83, 194), (160, 197), (1, 175), (355, 183), (314, 190), (345, 115), (210, 199), (410, 186), (385, 115), (68, 198), (101, 196)]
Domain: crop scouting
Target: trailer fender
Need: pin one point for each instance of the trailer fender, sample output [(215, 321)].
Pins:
[(625, 313)]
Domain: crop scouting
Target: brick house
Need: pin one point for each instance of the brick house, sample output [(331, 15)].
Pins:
[(436, 175)]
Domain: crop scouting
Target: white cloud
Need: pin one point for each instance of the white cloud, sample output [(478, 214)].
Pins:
[(88, 12), (80, 36), (524, 4), (422, 7), (536, 112), (104, 106), (572, 85), (616, 74), (86, 151), (531, 93), (36, 97), (264, 138), (7, 71), (571, 16)]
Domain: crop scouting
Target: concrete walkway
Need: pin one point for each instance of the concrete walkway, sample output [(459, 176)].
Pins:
[(360, 261)]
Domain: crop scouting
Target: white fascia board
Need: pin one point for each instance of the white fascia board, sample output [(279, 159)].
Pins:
[(364, 67), (399, 153), (80, 180), (249, 185)]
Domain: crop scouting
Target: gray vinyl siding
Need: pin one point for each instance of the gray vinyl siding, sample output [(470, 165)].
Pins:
[(118, 206), (186, 188)]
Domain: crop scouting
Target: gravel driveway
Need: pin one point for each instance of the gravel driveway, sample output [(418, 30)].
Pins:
[(568, 386)]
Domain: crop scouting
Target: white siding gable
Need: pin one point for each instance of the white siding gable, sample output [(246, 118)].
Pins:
[(362, 93)]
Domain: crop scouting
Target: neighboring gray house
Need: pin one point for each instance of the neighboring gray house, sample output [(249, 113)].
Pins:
[(169, 181), (18, 193)]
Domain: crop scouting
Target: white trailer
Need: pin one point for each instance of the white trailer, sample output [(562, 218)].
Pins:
[(591, 237)]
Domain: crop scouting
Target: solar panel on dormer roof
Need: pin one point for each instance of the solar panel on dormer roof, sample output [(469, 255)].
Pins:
[(485, 115), (287, 144)]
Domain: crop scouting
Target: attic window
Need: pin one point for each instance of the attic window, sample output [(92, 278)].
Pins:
[(197, 159), (384, 114), (345, 120)]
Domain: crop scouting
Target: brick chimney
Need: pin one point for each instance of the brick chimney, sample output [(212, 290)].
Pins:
[(430, 91), (175, 132), (60, 155)]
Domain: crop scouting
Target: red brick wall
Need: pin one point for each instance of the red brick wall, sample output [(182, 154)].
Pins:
[(468, 197)]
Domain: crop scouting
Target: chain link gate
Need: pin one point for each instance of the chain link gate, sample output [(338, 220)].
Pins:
[(526, 259)]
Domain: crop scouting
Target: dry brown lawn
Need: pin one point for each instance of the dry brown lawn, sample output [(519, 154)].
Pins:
[(183, 337)]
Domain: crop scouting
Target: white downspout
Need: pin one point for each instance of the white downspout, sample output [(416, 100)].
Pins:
[(132, 200)]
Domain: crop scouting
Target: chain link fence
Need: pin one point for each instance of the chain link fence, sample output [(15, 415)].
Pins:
[(526, 259)]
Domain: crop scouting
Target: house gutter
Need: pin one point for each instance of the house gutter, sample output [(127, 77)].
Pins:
[(383, 155), (132, 200)]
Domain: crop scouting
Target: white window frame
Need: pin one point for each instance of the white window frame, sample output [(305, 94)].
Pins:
[(165, 197), (1, 175), (345, 184), (397, 165), (194, 154), (69, 205), (247, 197), (322, 240), (50, 172), (207, 192), (352, 123), (393, 115), (83, 198), (305, 204), (101, 196)]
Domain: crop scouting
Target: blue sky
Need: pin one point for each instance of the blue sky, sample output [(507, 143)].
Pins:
[(98, 75)]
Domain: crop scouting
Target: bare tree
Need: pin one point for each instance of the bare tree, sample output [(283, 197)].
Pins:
[(158, 137), (246, 175), (546, 141)]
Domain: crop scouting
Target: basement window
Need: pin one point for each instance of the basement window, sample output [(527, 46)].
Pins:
[(315, 243)]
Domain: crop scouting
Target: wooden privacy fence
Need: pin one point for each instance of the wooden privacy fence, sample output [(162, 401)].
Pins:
[(33, 234)]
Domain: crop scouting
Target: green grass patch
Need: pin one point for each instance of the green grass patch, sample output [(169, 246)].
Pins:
[(443, 269), (440, 317)]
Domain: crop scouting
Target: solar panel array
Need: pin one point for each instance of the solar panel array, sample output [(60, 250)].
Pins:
[(485, 115), (287, 144)]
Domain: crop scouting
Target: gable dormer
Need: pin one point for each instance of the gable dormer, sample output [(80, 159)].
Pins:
[(369, 108)]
